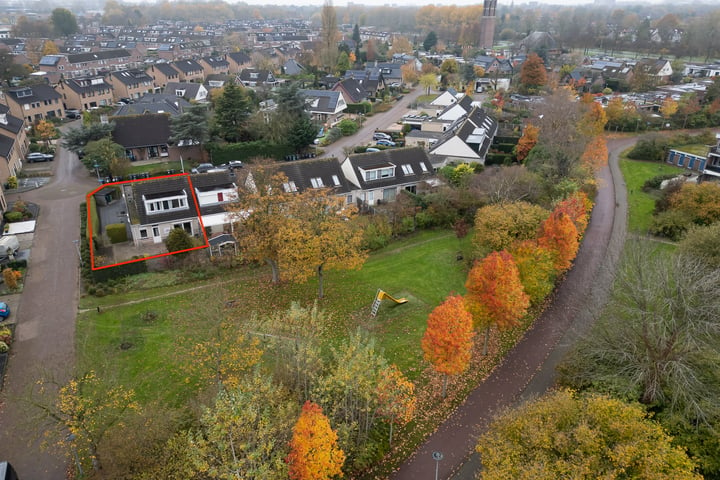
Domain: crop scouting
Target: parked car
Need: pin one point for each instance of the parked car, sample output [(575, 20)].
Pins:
[(381, 136), (73, 113), (235, 164), (4, 310), (386, 143), (40, 157), (371, 149), (203, 168)]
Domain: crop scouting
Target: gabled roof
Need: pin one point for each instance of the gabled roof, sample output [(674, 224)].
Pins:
[(158, 188), (50, 60), (291, 67), (166, 69), (190, 89), (187, 66), (328, 170), (239, 57), (469, 137), (352, 89), (88, 84), (130, 77), (154, 103), (255, 75), (141, 130), (216, 62), (96, 56), (6, 145), (37, 93), (8, 122), (323, 101), (420, 167)]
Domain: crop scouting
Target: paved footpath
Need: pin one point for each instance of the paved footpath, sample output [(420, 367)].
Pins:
[(529, 367), (45, 332)]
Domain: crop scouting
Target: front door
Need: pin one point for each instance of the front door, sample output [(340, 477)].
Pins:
[(156, 234)]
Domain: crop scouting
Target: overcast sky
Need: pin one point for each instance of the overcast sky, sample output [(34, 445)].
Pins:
[(339, 3)]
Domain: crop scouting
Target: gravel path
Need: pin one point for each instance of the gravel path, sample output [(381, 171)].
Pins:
[(529, 368)]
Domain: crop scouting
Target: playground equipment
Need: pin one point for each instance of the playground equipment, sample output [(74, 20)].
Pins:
[(379, 296)]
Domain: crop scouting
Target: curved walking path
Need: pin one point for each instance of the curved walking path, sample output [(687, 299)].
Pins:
[(529, 368)]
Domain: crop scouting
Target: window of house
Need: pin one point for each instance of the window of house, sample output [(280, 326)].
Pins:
[(407, 169), (143, 233), (379, 173), (348, 199), (423, 167), (389, 194), (290, 186), (317, 182), (336, 180)]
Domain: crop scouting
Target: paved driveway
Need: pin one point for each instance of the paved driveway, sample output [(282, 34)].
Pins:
[(44, 343)]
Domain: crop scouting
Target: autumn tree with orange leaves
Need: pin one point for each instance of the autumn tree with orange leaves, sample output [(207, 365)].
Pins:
[(595, 156), (314, 452), (447, 343), (533, 74), (577, 206), (495, 295), (527, 142), (396, 397), (559, 234)]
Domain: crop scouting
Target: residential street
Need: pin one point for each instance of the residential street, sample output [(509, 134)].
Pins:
[(529, 368), (44, 337)]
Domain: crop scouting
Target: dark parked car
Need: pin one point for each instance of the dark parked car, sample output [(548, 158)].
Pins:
[(203, 168), (39, 157), (386, 143), (73, 113)]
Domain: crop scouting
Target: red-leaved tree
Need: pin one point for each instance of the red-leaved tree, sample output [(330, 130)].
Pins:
[(447, 342), (314, 452), (576, 206), (559, 234), (495, 295)]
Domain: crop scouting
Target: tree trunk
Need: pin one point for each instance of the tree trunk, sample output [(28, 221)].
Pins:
[(321, 289), (275, 270), (485, 342)]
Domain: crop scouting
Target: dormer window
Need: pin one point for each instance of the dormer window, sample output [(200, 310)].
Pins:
[(377, 173), (155, 204), (317, 182), (407, 169)]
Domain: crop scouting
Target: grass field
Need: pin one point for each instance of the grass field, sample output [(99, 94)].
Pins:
[(641, 204), (139, 337)]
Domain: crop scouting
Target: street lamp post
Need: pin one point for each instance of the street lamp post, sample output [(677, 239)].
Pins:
[(97, 170), (437, 456)]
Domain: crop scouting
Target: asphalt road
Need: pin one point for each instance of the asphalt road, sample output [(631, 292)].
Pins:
[(380, 121), (44, 336), (529, 368)]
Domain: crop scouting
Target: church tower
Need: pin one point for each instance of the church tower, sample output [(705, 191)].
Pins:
[(487, 24)]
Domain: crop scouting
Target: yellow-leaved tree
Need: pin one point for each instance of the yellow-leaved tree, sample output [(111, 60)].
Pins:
[(314, 452), (563, 435)]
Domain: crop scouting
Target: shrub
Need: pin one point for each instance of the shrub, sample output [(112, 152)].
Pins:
[(348, 127), (377, 231), (651, 147), (116, 232), (17, 264), (4, 347), (655, 182), (12, 182), (11, 217), (5, 335), (333, 135), (671, 224)]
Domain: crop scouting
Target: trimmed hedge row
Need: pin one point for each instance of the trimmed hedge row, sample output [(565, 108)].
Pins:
[(116, 232)]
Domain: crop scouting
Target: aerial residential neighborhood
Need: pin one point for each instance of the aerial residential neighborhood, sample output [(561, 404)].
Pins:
[(360, 241)]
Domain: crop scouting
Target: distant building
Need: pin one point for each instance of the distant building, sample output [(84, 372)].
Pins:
[(487, 24)]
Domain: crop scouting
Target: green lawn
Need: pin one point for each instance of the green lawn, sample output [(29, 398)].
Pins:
[(158, 168), (641, 204), (145, 344)]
